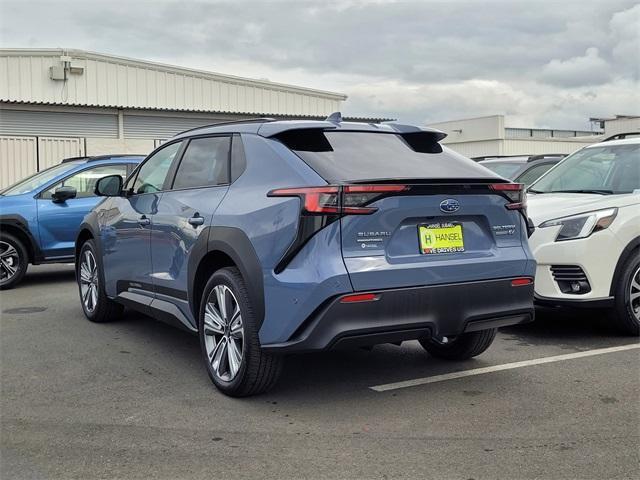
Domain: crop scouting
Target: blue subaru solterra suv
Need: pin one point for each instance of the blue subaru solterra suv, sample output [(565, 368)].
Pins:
[(40, 215), (267, 237)]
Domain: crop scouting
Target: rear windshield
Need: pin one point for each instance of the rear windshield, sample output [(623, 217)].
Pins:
[(361, 156)]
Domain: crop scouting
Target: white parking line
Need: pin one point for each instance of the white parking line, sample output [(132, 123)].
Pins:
[(497, 368)]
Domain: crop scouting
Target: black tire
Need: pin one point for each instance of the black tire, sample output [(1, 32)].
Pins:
[(105, 309), (461, 347), (19, 262), (259, 370), (625, 310)]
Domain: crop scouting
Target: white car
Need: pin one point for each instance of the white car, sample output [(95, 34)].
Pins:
[(586, 212)]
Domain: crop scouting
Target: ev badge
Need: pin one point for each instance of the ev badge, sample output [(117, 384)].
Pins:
[(449, 205)]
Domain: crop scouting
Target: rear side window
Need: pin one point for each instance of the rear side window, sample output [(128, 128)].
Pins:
[(504, 169), (205, 163), (534, 173), (361, 156)]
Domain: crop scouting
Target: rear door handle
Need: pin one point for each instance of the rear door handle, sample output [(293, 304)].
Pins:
[(144, 221), (196, 220)]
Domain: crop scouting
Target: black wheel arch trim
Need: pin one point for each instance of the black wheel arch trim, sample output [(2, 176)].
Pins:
[(19, 222), (234, 243), (89, 224), (624, 257)]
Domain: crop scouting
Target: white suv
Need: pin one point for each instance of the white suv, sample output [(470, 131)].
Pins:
[(586, 211)]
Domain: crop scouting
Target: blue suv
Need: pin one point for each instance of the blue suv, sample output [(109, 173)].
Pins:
[(269, 237), (40, 216)]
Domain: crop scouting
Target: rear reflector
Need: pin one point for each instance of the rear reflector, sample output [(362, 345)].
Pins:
[(360, 297), (519, 282)]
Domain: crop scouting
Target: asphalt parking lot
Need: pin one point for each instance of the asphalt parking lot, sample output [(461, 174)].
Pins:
[(131, 399)]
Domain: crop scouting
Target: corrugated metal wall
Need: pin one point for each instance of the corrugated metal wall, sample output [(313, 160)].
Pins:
[(23, 156), (477, 149), (151, 126), (109, 81), (52, 150), (621, 125), (26, 122), (536, 147), (18, 159)]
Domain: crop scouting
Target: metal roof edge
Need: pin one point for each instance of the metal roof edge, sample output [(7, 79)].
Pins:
[(282, 116), (84, 54)]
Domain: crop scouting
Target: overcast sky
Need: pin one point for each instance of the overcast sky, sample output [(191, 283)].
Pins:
[(541, 63)]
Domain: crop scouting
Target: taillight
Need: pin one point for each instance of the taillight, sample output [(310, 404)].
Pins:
[(339, 200), (355, 196), (514, 192), (315, 200)]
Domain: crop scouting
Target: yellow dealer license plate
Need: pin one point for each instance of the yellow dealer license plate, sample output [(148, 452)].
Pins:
[(441, 238)]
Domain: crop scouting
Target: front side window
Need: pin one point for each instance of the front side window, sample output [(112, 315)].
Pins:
[(606, 169), (153, 172), (205, 163), (85, 181)]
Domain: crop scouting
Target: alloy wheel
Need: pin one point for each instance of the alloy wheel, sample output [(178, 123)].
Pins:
[(9, 261), (223, 333), (634, 294), (89, 281)]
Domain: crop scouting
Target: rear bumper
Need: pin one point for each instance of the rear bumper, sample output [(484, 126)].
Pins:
[(413, 313)]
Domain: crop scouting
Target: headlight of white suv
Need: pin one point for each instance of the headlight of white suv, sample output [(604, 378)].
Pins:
[(583, 224)]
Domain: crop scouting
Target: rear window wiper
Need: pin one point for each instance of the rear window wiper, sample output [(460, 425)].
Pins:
[(598, 191), (534, 191)]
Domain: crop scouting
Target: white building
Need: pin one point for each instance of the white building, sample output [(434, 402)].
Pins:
[(488, 136), (620, 125), (64, 103)]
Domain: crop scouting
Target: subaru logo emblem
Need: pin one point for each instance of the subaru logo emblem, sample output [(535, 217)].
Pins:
[(449, 205)]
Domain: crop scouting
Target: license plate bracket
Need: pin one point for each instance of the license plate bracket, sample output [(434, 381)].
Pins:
[(440, 238)]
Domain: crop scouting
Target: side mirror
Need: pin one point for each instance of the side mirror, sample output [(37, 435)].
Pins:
[(109, 186), (62, 194)]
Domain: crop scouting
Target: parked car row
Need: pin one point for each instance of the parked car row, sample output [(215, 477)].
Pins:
[(40, 216), (271, 237), (586, 212), (524, 169)]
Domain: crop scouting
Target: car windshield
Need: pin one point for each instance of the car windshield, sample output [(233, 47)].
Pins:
[(504, 169), (606, 169), (38, 179)]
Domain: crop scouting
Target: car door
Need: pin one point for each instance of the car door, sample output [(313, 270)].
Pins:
[(125, 227), (58, 222), (184, 213)]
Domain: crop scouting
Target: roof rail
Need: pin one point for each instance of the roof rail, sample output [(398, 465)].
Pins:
[(230, 122), (115, 155), (533, 158), (95, 158), (621, 136), (73, 159), (498, 157)]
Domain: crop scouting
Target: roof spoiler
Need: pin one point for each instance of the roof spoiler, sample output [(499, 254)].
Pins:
[(420, 139)]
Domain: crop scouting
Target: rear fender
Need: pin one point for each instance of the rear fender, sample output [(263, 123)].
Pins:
[(234, 243)]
